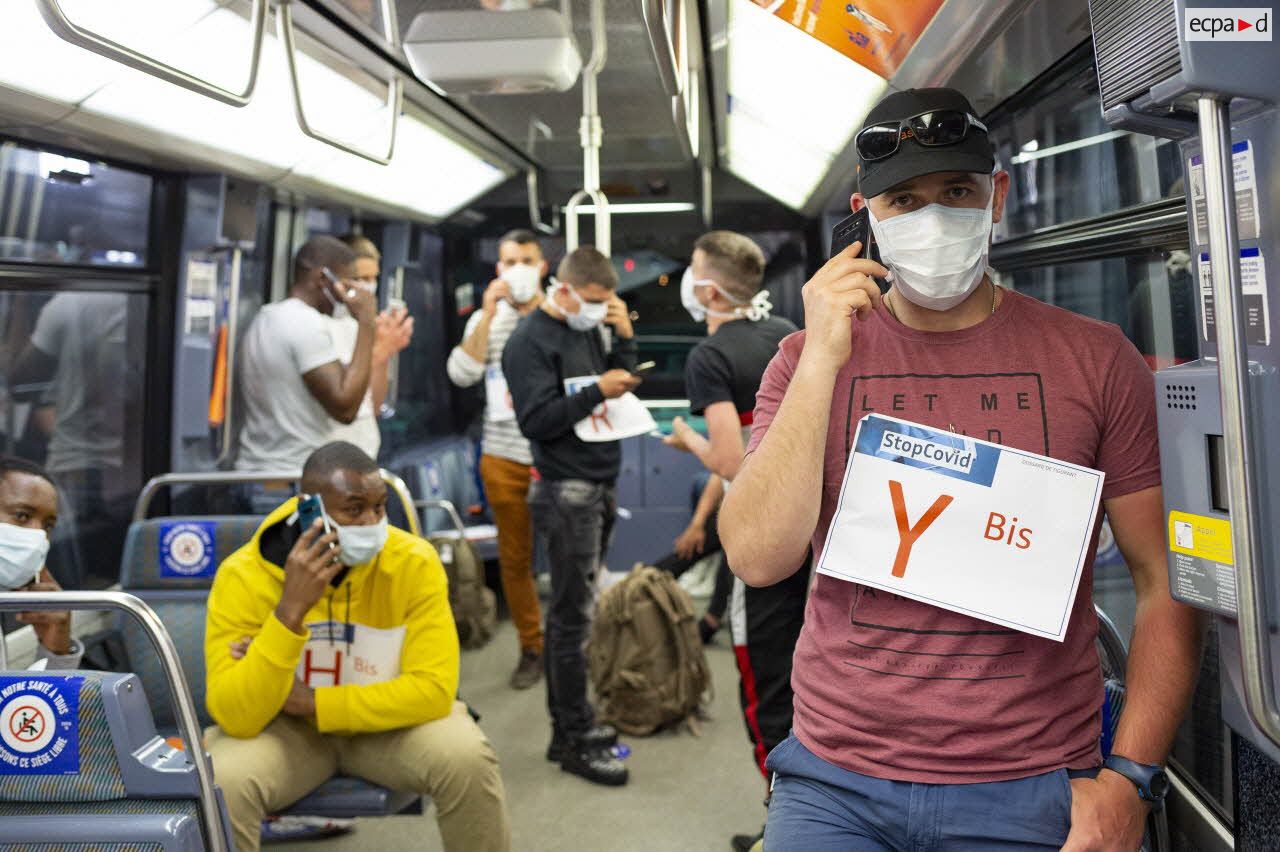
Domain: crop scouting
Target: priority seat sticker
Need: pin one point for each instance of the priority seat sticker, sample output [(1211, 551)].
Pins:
[(40, 724), (186, 549)]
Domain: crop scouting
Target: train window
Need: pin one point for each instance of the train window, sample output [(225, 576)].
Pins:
[(68, 210), (1067, 164), (1150, 296), (72, 367)]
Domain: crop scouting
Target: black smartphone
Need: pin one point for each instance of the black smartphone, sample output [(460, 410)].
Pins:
[(643, 368), (851, 229), (311, 507)]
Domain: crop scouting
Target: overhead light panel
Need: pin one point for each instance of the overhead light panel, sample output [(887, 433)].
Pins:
[(789, 117), (430, 173), (641, 207)]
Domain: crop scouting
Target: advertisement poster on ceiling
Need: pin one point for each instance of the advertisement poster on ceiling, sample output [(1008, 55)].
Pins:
[(877, 34)]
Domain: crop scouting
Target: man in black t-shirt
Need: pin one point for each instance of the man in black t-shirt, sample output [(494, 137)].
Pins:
[(722, 375)]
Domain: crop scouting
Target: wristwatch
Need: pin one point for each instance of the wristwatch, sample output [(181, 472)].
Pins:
[(1152, 781)]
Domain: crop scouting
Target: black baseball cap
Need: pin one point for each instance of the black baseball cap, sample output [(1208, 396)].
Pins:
[(974, 153)]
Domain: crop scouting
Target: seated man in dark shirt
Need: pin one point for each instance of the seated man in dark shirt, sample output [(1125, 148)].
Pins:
[(559, 370)]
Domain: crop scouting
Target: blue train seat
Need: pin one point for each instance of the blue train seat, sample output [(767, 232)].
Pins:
[(180, 602), (445, 469), (123, 786)]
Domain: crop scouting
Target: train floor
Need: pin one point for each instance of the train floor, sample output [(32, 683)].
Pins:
[(686, 792)]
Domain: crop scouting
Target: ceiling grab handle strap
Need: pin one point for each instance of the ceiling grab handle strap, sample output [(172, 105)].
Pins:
[(184, 706), (538, 128), (600, 210), (68, 30), (591, 133), (1233, 377), (395, 96)]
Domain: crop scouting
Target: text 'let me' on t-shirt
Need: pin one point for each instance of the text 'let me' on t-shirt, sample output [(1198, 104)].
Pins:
[(898, 689), (283, 422)]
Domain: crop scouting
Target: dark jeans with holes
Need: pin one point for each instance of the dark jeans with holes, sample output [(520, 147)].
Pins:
[(575, 517)]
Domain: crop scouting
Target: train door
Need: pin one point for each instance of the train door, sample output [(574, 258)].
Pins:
[(81, 388), (1096, 222)]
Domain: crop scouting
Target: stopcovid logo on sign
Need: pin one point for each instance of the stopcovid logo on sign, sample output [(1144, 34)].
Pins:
[(1240, 23), (40, 725)]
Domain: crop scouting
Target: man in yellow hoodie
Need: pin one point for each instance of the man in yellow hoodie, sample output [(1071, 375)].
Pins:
[(337, 652)]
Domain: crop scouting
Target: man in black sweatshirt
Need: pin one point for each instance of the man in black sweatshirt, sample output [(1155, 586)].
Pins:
[(560, 367)]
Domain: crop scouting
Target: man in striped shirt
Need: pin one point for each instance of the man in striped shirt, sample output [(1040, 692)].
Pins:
[(506, 458)]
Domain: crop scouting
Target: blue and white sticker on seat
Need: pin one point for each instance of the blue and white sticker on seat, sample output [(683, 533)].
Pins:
[(40, 724), (187, 549), (989, 531)]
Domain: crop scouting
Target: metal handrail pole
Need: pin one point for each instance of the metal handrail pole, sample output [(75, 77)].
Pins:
[(179, 691), (241, 477), (449, 509), (233, 337), (1233, 377)]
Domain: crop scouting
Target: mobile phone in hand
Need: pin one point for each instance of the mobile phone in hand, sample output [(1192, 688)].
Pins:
[(639, 369), (311, 507), (852, 229)]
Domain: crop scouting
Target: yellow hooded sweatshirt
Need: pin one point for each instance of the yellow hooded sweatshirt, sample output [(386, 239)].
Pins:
[(404, 585)]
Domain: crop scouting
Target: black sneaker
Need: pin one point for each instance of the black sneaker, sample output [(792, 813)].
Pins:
[(594, 764), (597, 736), (744, 842)]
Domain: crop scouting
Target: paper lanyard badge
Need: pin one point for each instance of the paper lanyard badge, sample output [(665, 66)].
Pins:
[(612, 420), (498, 406), (970, 526), (338, 654)]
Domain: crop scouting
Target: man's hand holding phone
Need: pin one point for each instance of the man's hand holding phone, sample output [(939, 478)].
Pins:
[(843, 288), (311, 564), (615, 383)]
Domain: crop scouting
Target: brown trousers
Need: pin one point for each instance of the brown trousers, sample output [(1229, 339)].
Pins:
[(506, 484)]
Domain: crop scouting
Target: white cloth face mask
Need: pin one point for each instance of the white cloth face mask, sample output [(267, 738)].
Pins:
[(937, 254), (22, 554), (757, 309), (522, 281), (589, 315), (360, 544)]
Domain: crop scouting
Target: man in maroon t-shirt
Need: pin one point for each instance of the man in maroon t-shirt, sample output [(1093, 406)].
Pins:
[(916, 726)]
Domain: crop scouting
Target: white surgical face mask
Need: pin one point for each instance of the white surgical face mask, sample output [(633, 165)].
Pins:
[(22, 553), (589, 315), (522, 281), (360, 544), (757, 309), (937, 254)]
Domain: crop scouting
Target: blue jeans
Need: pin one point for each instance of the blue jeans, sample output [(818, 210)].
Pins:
[(819, 807)]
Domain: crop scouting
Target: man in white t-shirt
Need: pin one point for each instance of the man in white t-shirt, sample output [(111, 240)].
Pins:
[(291, 376), (393, 331), (506, 457)]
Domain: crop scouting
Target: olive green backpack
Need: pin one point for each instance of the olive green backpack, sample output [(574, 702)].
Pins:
[(644, 658), (475, 609)]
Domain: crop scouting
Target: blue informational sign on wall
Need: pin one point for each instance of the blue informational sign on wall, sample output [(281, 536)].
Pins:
[(40, 724), (186, 549)]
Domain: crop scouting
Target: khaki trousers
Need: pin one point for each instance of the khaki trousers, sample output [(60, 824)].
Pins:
[(449, 760), (506, 485)]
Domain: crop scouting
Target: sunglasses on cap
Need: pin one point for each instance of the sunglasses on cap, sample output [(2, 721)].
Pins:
[(931, 129)]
